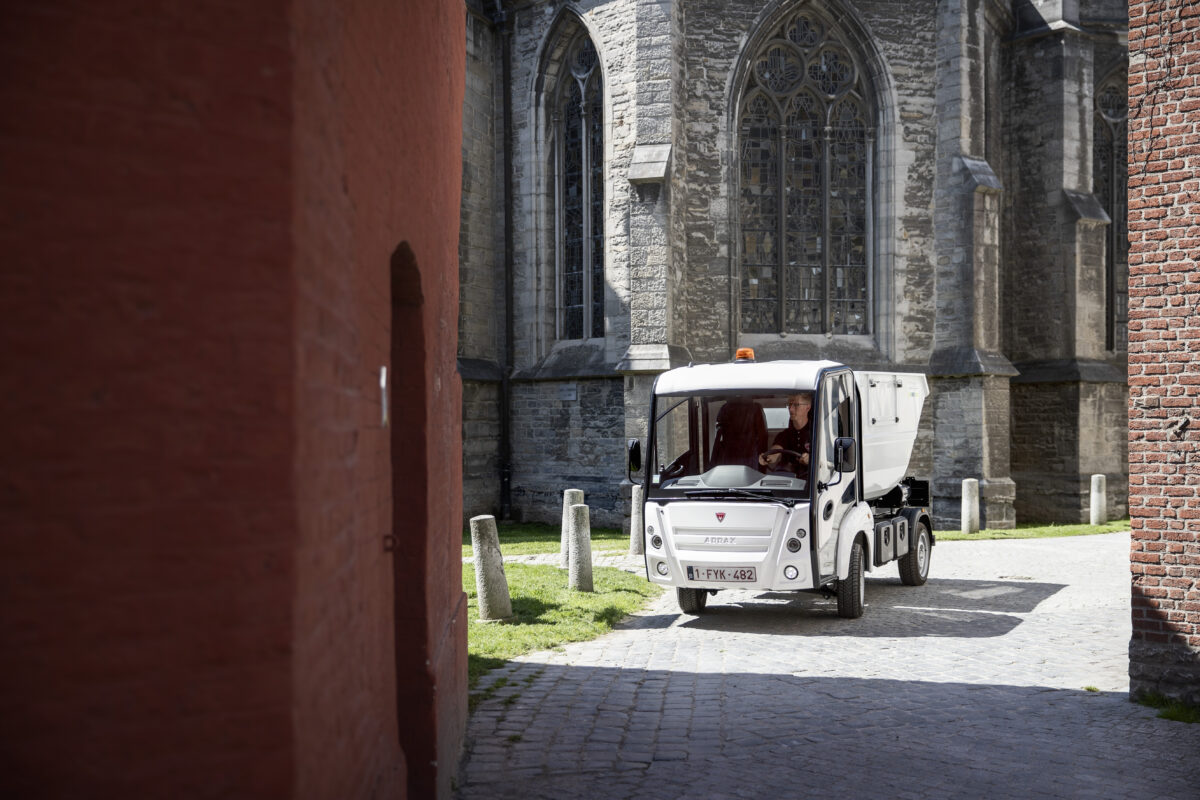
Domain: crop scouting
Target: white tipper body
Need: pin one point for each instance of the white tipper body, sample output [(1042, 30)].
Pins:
[(891, 410)]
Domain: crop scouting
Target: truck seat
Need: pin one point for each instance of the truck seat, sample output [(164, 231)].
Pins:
[(741, 434)]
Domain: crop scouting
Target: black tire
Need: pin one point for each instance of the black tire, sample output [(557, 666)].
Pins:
[(851, 590), (914, 567), (691, 601)]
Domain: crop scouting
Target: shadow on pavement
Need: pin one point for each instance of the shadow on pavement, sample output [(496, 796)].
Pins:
[(949, 608), (603, 732)]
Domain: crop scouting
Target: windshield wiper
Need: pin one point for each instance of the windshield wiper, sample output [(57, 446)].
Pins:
[(722, 492)]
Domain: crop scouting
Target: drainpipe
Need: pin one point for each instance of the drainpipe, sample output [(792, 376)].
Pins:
[(500, 18)]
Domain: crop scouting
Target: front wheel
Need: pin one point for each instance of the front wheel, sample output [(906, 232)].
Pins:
[(850, 590), (914, 567), (691, 601)]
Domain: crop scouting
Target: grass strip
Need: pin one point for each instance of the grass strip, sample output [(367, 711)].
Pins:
[(1035, 531), (529, 538), (546, 614), (1170, 708)]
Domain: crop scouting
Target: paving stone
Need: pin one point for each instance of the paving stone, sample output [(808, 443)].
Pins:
[(970, 686)]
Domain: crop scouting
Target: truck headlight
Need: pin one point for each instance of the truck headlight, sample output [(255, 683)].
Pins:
[(661, 569), (790, 572), (656, 543), (793, 545)]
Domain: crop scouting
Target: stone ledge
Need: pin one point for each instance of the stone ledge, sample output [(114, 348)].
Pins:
[(479, 369), (651, 358), (981, 176), (650, 163), (953, 362), (574, 360), (1068, 370), (1086, 207)]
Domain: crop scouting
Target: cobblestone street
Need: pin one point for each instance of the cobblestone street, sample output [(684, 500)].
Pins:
[(970, 686)]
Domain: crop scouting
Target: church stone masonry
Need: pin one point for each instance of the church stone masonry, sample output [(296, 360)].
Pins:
[(959, 225)]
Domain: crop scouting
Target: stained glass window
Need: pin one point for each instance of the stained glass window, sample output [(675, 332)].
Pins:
[(805, 157), (1110, 182), (579, 192)]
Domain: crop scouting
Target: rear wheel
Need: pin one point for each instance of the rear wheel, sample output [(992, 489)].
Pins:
[(914, 567), (691, 601), (851, 589)]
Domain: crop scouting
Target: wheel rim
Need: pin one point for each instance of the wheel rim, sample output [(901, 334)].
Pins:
[(923, 553)]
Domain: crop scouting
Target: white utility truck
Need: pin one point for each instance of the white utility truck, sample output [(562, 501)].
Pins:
[(728, 506)]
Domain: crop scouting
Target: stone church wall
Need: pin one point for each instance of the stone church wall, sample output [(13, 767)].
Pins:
[(481, 271), (1036, 319), (568, 435), (1067, 410), (717, 35), (961, 80), (536, 28), (559, 390), (568, 419)]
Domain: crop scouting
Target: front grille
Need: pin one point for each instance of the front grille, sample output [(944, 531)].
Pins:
[(722, 540)]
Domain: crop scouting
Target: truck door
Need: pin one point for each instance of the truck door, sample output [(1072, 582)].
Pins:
[(835, 492)]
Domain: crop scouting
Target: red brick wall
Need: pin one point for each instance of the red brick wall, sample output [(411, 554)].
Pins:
[(199, 208), (1164, 347), (378, 100), (146, 491)]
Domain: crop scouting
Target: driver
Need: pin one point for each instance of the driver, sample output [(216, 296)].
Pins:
[(796, 438)]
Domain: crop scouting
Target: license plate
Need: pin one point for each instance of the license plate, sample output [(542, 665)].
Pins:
[(721, 574)]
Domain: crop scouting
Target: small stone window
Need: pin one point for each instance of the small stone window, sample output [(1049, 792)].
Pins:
[(1110, 182), (577, 117), (806, 142)]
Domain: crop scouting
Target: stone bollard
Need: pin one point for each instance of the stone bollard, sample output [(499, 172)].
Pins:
[(1099, 509), (571, 497), (970, 505), (490, 584), (580, 576), (637, 527)]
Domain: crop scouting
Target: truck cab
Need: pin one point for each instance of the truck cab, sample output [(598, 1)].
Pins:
[(728, 505)]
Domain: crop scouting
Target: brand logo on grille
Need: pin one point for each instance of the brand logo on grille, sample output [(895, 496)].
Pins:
[(720, 516)]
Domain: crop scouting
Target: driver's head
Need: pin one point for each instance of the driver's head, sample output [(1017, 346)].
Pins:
[(799, 405)]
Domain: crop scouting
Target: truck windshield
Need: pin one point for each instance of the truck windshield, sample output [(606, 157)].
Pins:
[(744, 446)]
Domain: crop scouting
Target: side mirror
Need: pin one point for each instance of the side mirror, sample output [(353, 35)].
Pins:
[(845, 456), (635, 458)]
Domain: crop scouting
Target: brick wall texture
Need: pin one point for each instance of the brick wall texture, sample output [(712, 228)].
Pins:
[(379, 640), (1164, 345), (218, 226)]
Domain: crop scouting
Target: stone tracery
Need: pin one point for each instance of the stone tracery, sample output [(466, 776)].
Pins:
[(1110, 180), (805, 158), (578, 123)]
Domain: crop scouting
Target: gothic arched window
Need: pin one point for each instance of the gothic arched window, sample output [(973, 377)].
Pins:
[(806, 147), (1110, 181), (577, 118)]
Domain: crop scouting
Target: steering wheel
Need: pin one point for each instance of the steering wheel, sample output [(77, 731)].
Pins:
[(786, 452), (675, 468)]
